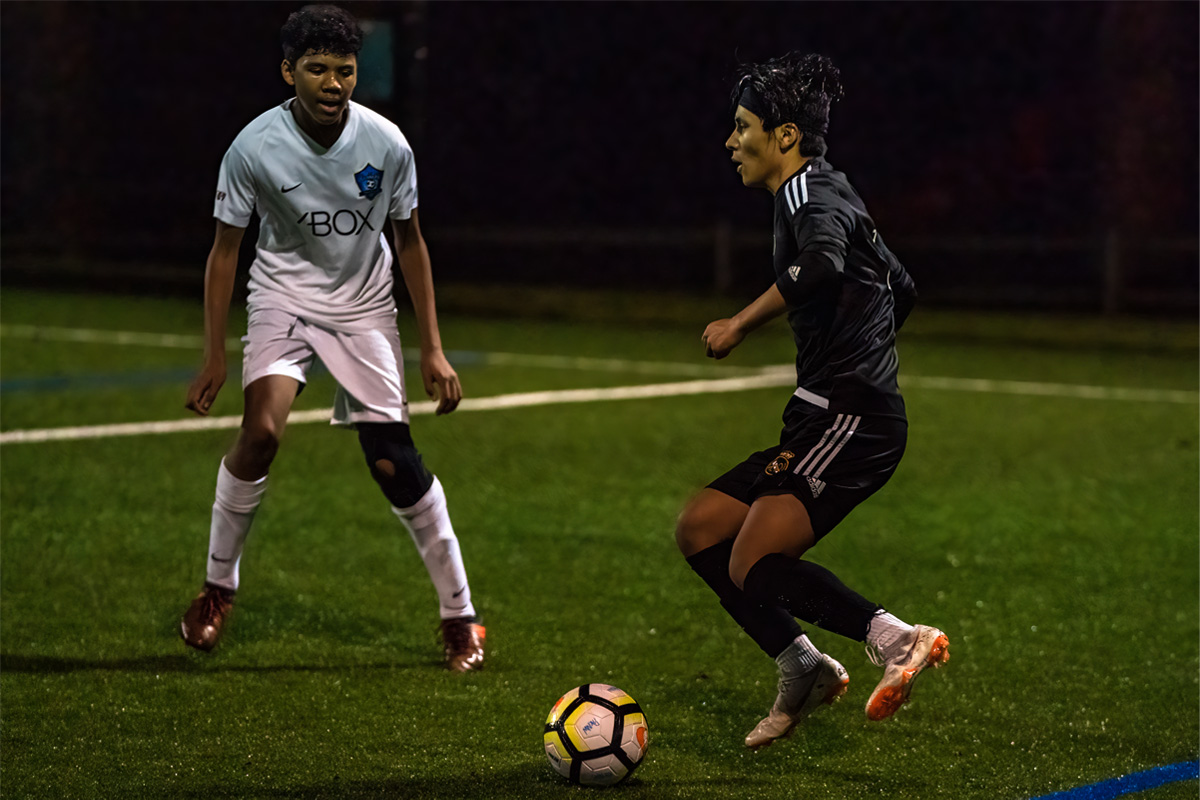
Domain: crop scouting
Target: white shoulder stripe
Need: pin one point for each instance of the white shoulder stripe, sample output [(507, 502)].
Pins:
[(804, 186), (787, 194)]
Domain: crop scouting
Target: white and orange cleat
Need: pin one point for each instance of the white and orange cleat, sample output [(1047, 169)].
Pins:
[(929, 648), (798, 700)]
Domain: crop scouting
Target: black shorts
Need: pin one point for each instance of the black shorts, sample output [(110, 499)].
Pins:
[(831, 462)]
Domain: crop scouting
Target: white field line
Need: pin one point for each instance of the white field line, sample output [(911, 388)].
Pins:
[(609, 364), (520, 400), (1051, 389), (770, 378), (751, 378), (192, 342), (93, 336)]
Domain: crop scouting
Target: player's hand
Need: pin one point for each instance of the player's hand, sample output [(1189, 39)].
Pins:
[(203, 391), (721, 337), (441, 381)]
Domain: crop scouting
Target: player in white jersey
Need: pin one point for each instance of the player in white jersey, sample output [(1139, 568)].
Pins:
[(328, 178)]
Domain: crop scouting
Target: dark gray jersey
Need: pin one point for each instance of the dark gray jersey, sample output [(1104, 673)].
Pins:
[(844, 326)]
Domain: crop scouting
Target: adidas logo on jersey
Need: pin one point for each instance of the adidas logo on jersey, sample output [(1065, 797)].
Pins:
[(815, 485), (794, 272)]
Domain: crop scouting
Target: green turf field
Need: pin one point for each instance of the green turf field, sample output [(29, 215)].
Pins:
[(1054, 538)]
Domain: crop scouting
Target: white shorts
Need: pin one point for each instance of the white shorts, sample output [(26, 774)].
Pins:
[(368, 366)]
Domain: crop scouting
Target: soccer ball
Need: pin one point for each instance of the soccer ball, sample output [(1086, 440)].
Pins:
[(595, 735)]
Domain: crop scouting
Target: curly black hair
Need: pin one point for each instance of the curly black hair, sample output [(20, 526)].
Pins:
[(797, 88), (320, 29)]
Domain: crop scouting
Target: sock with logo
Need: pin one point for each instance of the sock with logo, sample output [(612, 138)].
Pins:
[(772, 628), (232, 512), (889, 634), (428, 521), (811, 593), (798, 658)]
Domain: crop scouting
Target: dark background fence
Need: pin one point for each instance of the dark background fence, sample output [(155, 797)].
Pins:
[(1017, 155)]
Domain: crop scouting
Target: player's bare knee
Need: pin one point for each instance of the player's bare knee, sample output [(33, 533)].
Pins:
[(394, 462), (258, 443), (695, 530), (685, 532)]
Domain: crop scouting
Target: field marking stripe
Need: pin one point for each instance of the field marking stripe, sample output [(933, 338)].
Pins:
[(519, 400), (1127, 784), (1049, 389), (627, 365), (771, 377), (192, 342), (598, 364)]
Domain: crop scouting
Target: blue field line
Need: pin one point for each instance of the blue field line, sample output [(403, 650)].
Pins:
[(1127, 784), (59, 383)]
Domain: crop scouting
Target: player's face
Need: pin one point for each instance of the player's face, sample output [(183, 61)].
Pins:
[(753, 150), (324, 83)]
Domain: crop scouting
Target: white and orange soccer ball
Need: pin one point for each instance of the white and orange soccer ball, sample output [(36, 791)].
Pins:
[(596, 735)]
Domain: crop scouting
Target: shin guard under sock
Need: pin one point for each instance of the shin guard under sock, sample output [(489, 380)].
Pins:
[(811, 593), (772, 628), (428, 522), (232, 512)]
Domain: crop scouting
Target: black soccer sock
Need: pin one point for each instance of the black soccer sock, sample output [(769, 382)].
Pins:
[(810, 592), (771, 627)]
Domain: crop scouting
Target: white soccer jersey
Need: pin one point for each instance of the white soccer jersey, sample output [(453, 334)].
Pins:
[(323, 214)]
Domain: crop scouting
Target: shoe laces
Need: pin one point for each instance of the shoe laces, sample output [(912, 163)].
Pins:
[(214, 604), (456, 634)]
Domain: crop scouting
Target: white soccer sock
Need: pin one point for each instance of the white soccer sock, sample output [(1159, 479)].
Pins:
[(429, 524), (800, 657), (889, 634), (233, 511)]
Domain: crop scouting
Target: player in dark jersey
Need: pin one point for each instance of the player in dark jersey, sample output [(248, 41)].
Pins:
[(844, 429)]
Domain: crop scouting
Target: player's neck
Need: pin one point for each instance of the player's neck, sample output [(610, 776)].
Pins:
[(789, 165), (324, 135)]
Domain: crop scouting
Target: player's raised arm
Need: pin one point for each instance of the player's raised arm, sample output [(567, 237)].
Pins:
[(441, 381), (218, 289)]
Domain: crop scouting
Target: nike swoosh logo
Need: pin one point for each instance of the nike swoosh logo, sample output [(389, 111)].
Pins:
[(285, 191), (222, 560), (460, 591)]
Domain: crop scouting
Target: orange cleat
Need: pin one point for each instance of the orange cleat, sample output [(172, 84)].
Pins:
[(930, 648)]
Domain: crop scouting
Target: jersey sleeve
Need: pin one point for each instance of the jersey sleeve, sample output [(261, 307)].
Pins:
[(404, 189), (235, 189), (904, 291), (823, 224), (822, 227)]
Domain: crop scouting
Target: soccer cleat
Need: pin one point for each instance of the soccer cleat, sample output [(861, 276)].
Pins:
[(205, 618), (798, 698), (463, 639), (930, 648)]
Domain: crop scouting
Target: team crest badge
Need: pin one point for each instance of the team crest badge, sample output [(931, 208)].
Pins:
[(370, 182), (781, 463)]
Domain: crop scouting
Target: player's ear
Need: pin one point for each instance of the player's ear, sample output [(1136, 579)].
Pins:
[(285, 69), (789, 136)]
